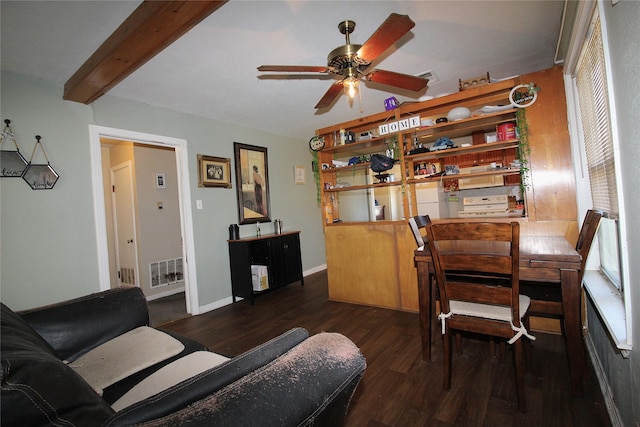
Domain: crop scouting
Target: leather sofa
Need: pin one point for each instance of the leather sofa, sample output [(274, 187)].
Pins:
[(50, 355)]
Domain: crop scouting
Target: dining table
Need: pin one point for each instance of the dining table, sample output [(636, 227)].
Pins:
[(546, 259)]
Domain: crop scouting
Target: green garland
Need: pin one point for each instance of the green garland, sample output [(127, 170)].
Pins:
[(523, 150), (315, 166)]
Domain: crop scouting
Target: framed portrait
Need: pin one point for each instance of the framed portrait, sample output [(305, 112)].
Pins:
[(214, 171), (252, 183)]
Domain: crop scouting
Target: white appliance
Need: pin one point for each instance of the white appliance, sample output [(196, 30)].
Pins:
[(479, 181), (485, 206), (427, 199)]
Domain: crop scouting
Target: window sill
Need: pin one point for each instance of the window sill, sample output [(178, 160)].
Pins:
[(609, 302)]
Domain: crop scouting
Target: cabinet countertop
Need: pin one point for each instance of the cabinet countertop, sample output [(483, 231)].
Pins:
[(263, 236)]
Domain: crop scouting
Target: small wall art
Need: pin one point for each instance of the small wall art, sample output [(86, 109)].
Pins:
[(160, 181), (40, 176), (299, 175), (12, 162), (214, 171)]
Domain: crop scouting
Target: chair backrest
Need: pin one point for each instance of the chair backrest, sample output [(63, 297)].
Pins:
[(418, 223), (587, 234), (477, 262)]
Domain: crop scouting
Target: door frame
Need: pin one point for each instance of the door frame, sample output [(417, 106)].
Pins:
[(184, 200), (114, 209)]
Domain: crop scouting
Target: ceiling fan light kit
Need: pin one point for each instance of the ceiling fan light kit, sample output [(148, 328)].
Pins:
[(350, 62)]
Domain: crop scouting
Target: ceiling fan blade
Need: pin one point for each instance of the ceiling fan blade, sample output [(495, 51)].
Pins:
[(391, 30), (294, 68), (332, 93), (403, 81)]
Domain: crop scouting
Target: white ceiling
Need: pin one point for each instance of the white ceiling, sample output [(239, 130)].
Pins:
[(211, 70)]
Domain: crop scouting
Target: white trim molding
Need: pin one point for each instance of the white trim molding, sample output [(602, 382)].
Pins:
[(184, 195)]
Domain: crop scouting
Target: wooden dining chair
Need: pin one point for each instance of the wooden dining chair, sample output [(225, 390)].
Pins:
[(546, 298), (417, 224), (477, 272)]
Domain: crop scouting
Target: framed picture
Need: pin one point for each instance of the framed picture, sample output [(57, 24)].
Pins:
[(299, 174), (160, 183), (214, 171), (252, 183)]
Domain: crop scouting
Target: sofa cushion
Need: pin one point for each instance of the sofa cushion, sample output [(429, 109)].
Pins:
[(24, 335), (94, 319), (125, 355), (38, 387), (112, 393), (206, 383), (312, 384), (170, 375)]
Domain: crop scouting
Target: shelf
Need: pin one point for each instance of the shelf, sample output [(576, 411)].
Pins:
[(350, 168), (478, 148), (364, 187), (403, 186), (484, 123), (498, 172), (367, 146)]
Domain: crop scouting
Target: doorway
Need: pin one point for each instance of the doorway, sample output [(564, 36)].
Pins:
[(100, 187)]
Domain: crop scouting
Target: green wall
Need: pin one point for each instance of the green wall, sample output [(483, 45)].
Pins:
[(48, 238)]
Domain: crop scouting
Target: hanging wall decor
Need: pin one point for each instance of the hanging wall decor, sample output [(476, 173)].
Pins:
[(12, 163), (252, 183), (40, 176)]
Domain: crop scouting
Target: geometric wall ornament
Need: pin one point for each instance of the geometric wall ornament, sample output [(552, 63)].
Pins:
[(40, 176), (12, 162)]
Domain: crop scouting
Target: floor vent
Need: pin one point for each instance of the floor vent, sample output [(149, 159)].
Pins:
[(163, 273), (127, 276)]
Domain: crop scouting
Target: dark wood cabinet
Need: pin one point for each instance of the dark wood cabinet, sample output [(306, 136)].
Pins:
[(280, 253)]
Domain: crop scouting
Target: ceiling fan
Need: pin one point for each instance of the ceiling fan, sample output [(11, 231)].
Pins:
[(351, 61)]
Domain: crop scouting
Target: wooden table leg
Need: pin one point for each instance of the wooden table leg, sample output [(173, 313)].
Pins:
[(571, 294), (424, 303)]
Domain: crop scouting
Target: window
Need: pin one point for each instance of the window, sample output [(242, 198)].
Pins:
[(595, 139), (593, 99)]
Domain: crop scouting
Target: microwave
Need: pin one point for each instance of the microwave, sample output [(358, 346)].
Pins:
[(479, 181)]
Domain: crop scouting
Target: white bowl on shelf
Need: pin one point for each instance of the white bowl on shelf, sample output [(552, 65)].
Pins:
[(458, 113)]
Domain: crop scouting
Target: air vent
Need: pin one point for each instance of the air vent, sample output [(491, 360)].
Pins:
[(166, 272), (429, 75)]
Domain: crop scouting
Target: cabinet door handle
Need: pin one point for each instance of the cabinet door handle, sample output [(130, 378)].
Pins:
[(285, 246)]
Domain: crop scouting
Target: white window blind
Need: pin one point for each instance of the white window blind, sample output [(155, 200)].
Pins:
[(591, 83), (595, 114)]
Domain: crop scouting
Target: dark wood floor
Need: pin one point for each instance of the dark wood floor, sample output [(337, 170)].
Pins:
[(163, 310), (398, 387)]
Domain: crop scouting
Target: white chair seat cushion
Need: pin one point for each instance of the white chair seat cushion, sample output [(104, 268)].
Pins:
[(488, 311), (125, 355), (175, 372)]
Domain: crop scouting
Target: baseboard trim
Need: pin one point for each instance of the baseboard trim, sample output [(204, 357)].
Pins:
[(165, 294), (229, 300), (216, 304), (314, 270), (607, 395)]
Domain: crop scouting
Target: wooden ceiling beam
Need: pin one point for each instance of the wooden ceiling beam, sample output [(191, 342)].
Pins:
[(153, 26)]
